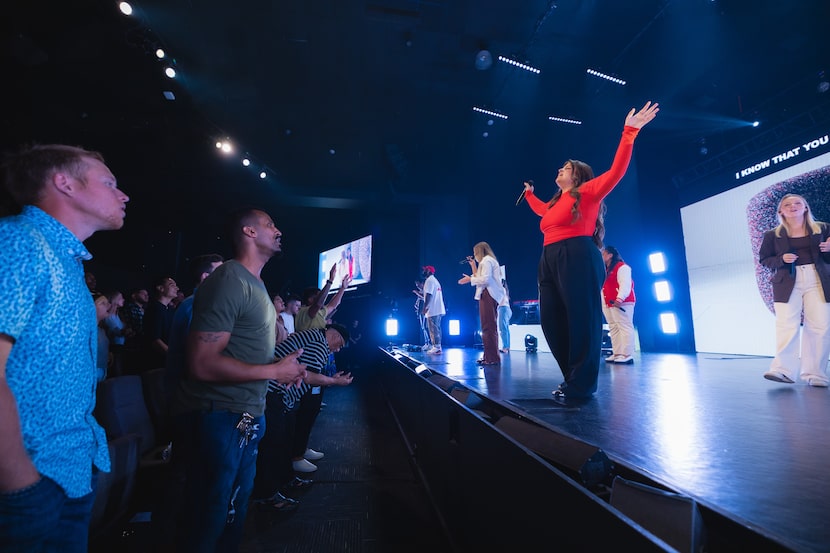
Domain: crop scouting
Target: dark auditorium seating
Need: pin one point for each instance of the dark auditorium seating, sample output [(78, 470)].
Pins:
[(115, 488), (135, 451), (152, 383), (122, 410)]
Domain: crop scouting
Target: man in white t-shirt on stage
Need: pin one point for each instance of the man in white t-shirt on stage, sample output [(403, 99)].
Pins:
[(433, 308)]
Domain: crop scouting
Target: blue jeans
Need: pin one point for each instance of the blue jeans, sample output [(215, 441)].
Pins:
[(505, 313), (220, 477), (41, 519)]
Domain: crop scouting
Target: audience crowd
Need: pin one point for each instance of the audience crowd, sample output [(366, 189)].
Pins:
[(243, 370)]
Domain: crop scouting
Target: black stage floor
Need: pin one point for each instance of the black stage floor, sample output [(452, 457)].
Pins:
[(705, 425)]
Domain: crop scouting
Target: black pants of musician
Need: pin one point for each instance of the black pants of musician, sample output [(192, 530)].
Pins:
[(570, 277)]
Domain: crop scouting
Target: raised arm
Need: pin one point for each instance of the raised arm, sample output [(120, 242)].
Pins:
[(643, 117), (320, 299), (602, 184), (335, 301)]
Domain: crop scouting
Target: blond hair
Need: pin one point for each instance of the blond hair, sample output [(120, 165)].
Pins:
[(483, 248), (811, 226)]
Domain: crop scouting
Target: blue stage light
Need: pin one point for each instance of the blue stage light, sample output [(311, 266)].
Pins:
[(662, 290), (391, 327), (657, 262), (668, 323)]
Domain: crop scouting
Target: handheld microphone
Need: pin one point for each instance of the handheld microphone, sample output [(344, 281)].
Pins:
[(792, 265), (465, 261), (522, 195)]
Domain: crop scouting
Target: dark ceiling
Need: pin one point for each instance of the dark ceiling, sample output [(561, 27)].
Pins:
[(368, 104)]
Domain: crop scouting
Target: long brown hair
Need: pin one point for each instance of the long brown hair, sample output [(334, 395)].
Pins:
[(581, 174)]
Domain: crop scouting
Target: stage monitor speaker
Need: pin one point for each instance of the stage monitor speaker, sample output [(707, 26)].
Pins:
[(467, 397), (446, 384), (672, 517), (587, 463)]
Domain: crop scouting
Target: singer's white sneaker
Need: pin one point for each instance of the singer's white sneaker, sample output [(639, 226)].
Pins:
[(610, 358), (623, 360)]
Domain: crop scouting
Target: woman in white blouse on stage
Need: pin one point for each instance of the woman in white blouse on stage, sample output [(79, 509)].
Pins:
[(486, 278)]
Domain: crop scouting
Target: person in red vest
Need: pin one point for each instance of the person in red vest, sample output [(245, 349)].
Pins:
[(618, 306)]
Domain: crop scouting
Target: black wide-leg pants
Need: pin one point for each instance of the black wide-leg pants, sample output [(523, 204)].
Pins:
[(570, 276)]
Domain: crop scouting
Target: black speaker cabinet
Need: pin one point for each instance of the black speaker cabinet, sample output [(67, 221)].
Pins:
[(586, 463), (672, 517)]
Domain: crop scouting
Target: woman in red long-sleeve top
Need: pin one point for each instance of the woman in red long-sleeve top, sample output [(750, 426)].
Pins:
[(571, 270)]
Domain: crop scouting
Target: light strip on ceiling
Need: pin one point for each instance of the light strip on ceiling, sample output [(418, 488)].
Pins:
[(606, 77)]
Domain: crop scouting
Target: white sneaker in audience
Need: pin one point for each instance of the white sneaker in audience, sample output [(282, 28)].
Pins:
[(312, 455), (304, 465)]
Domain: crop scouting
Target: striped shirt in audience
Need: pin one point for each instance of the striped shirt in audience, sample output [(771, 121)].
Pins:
[(315, 356)]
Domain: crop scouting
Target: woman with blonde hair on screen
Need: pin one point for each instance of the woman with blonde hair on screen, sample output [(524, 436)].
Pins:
[(798, 253)]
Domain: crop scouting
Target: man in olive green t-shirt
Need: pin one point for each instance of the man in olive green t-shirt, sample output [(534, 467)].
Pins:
[(222, 400)]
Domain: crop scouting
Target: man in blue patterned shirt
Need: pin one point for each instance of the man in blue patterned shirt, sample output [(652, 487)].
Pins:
[(49, 438)]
